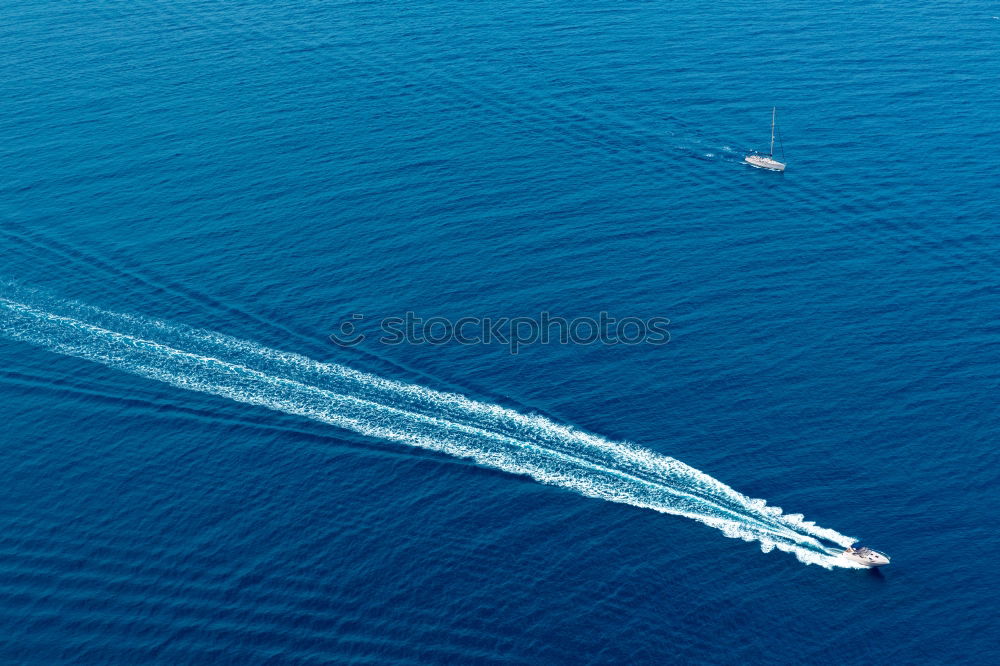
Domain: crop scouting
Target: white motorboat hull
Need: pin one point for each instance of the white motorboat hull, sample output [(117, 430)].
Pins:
[(762, 162), (868, 558)]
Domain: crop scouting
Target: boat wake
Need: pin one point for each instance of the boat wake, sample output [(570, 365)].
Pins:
[(491, 435)]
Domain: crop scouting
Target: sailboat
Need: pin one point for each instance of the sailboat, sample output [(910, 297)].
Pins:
[(767, 162)]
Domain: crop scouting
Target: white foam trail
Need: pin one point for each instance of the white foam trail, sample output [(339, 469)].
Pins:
[(489, 434)]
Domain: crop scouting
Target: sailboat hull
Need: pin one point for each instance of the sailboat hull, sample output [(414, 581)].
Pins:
[(762, 162)]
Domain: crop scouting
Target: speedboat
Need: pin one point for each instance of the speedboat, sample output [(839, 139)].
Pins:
[(865, 556)]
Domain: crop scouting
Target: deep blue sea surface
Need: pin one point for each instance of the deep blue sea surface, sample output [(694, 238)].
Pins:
[(194, 195)]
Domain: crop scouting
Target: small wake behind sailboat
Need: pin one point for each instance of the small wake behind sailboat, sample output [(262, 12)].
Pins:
[(768, 161)]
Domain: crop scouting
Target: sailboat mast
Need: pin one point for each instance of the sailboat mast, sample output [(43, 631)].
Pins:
[(773, 109)]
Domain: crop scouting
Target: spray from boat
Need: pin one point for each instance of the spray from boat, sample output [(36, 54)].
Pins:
[(489, 434)]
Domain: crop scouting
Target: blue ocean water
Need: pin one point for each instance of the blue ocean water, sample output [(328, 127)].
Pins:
[(265, 170)]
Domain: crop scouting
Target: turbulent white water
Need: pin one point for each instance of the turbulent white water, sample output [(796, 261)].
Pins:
[(491, 435)]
